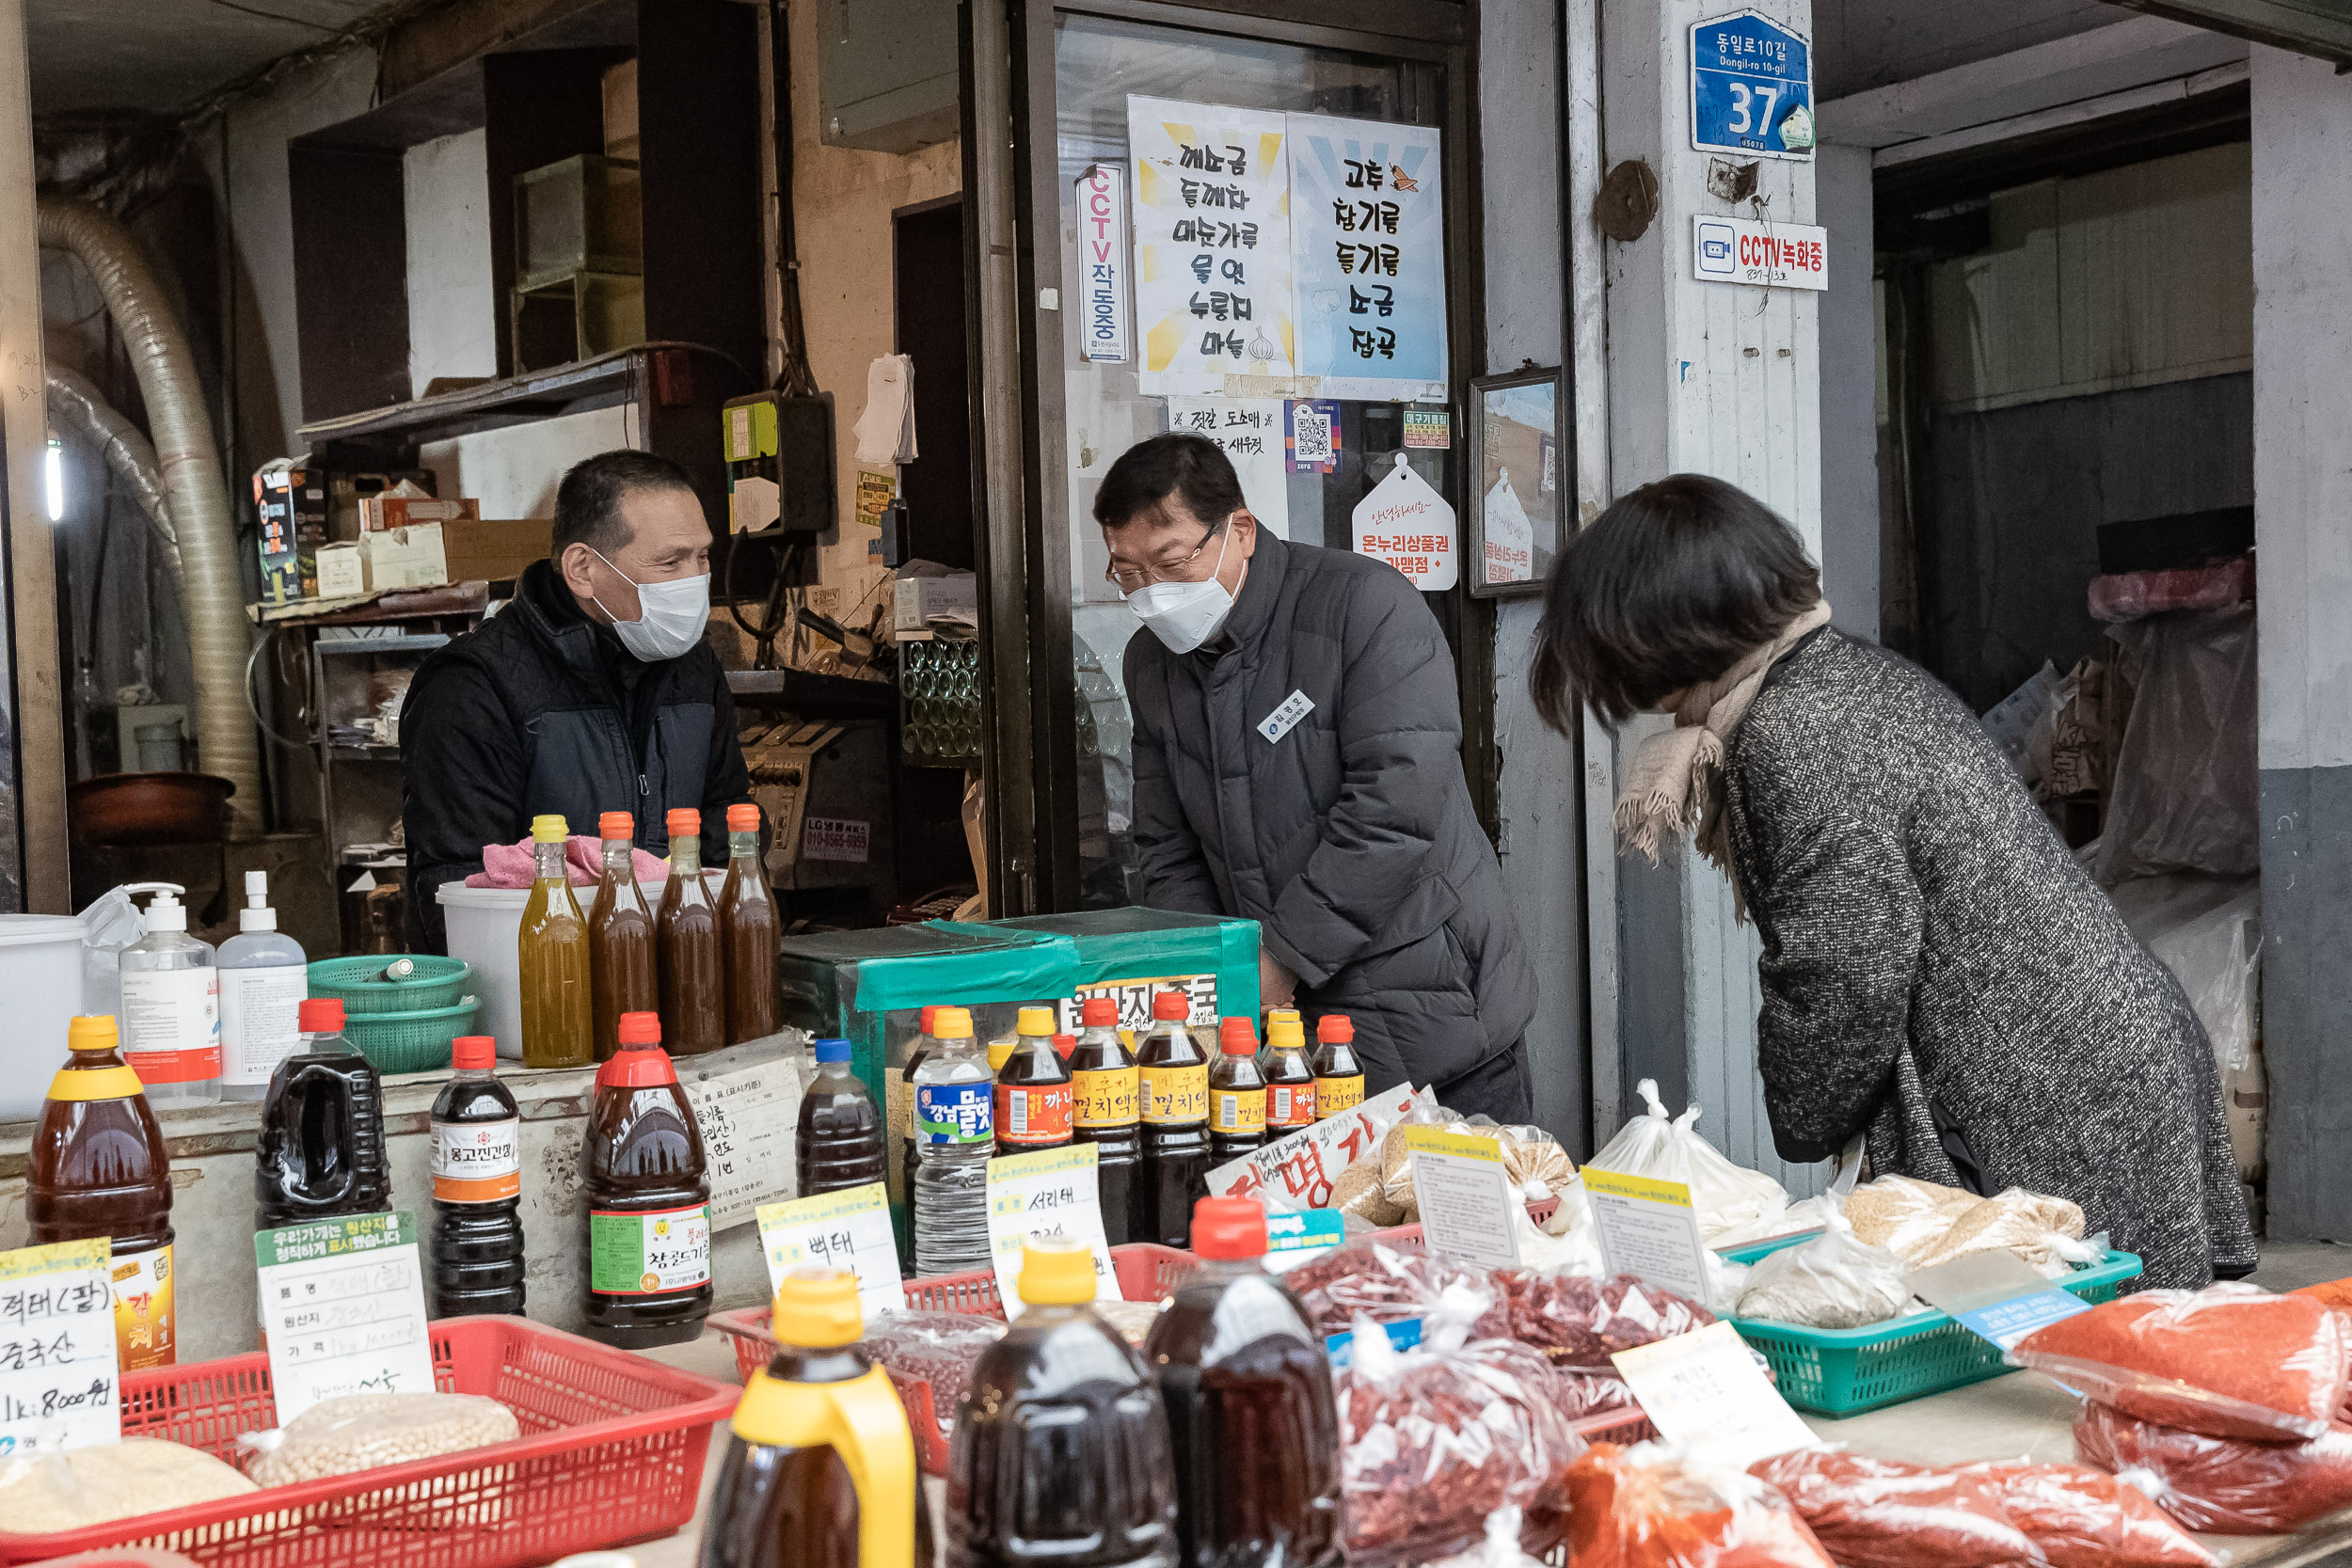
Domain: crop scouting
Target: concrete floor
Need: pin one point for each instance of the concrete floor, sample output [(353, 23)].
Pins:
[(2292, 1265)]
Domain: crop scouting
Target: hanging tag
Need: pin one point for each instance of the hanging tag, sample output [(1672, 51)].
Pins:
[(1408, 525)]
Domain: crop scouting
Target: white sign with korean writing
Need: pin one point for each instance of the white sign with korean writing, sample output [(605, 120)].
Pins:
[(1466, 1200), (848, 840), (343, 1302), (750, 1120), (1298, 1171), (1101, 296), (1646, 1229), (1706, 1391), (1509, 535), (1368, 231), (848, 1230), (1250, 432), (1053, 1191), (1408, 525), (1212, 245), (1766, 255), (57, 1369)]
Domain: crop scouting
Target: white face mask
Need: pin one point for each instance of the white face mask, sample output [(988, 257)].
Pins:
[(1184, 615), (671, 614)]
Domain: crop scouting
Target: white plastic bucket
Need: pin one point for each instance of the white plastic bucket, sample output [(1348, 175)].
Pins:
[(484, 925), (40, 973)]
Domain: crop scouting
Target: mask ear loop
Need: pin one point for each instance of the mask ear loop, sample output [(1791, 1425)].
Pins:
[(597, 599)]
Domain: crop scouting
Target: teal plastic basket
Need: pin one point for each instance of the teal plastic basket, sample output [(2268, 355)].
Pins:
[(439, 982), (1844, 1371), (415, 1041)]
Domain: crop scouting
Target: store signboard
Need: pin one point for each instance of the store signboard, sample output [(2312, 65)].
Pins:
[(1367, 228), (1249, 431), (1103, 264), (1751, 87), (1768, 255), (1212, 245)]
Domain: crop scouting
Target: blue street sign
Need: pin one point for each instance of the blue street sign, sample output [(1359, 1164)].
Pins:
[(1751, 87)]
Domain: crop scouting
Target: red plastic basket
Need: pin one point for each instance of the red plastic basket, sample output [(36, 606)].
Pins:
[(612, 1453), (1147, 1272)]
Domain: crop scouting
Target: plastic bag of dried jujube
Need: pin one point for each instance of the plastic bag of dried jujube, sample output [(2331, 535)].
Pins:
[(365, 1431)]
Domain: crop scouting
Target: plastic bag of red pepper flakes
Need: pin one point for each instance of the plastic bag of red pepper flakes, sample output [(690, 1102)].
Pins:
[(2230, 1360), (1581, 1322), (1885, 1514), (2221, 1485), (1436, 1438), (1649, 1507), (2081, 1518), (1387, 1283)]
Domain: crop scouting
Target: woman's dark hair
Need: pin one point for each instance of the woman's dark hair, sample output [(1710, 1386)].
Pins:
[(1669, 587), (588, 501), (1192, 468)]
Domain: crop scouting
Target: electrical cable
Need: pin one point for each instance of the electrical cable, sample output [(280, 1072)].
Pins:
[(796, 379), (268, 637)]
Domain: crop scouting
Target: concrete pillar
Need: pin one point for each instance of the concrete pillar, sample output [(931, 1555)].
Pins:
[(2302, 121), (1711, 378), (1849, 381)]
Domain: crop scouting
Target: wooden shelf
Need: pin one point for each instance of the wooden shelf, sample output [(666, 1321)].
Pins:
[(596, 383), (813, 696)]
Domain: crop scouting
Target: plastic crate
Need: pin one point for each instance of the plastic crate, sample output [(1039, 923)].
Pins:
[(418, 1041), (1624, 1426), (439, 982), (1147, 1272), (1844, 1371), (612, 1453)]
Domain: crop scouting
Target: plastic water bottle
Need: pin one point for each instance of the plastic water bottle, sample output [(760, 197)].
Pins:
[(171, 1008), (955, 1130), (264, 981)]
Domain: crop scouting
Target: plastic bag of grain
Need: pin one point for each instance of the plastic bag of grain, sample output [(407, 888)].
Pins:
[(363, 1432)]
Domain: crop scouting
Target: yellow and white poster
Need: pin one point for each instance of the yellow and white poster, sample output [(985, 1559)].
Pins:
[(1213, 247)]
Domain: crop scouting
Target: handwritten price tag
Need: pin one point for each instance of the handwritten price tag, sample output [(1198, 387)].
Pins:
[(1467, 1203), (750, 1120), (1053, 1191), (58, 1377), (848, 1230), (343, 1301), (1706, 1390)]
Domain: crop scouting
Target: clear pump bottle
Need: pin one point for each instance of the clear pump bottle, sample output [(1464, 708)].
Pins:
[(171, 1007), (264, 977)]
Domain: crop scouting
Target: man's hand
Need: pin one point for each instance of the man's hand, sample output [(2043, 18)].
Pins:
[(1277, 986)]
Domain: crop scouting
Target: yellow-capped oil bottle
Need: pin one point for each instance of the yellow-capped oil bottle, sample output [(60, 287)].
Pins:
[(820, 1470)]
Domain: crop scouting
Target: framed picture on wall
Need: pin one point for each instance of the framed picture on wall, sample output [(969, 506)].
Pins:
[(1517, 490)]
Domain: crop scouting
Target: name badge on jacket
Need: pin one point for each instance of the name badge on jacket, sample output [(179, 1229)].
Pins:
[(1275, 726)]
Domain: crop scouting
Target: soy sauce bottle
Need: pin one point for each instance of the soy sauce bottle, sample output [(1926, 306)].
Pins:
[(1033, 1091), (648, 1196), (1175, 1075), (1238, 1094), (1107, 1088), (840, 1141), (477, 1240), (1290, 1094), (321, 1151), (1339, 1076), (819, 1469)]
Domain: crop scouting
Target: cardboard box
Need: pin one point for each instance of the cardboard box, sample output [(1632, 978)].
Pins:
[(388, 511), (346, 490), (490, 549), (290, 506), (402, 557), (340, 573), (944, 596)]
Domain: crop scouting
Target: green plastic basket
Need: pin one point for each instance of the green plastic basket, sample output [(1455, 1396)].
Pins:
[(416, 1041), (439, 982), (1844, 1371)]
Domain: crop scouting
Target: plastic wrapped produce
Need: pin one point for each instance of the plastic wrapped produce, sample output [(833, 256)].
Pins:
[(2230, 1360), (365, 1431), (1386, 1283), (2223, 1485), (1836, 1281), (937, 1348), (1581, 1323), (2081, 1518), (1647, 1507), (1499, 1548), (1925, 1225), (1883, 1514), (1435, 1440), (41, 1494), (1725, 1197)]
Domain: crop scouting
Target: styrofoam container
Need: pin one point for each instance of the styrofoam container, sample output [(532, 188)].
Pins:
[(40, 973), (484, 925)]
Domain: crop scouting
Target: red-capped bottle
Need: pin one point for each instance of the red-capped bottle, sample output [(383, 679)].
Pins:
[(1339, 1076), (320, 1154), (476, 1243), (649, 1194), (1237, 1093), (1034, 1101)]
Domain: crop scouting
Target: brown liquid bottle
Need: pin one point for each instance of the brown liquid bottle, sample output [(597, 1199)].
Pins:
[(1289, 1082), (1035, 1104), (551, 959), (750, 931), (99, 1168), (686, 938), (648, 1195), (1339, 1076), (620, 937)]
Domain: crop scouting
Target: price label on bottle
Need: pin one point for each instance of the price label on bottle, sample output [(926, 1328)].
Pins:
[(1053, 1191), (57, 1373), (848, 1230), (344, 1303)]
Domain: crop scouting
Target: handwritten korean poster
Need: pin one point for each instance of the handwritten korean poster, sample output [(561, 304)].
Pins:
[(57, 1374), (1248, 431), (1368, 231), (1213, 245), (1299, 1171), (1047, 1192)]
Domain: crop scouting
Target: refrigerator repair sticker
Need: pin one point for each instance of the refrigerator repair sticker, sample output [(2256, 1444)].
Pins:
[(1275, 726)]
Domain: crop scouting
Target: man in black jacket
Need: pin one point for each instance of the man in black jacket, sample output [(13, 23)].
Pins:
[(1298, 761), (592, 691)]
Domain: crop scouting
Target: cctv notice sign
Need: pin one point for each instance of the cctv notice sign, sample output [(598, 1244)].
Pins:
[(1769, 255)]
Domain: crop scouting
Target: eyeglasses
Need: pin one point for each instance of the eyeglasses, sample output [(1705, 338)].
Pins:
[(1129, 579)]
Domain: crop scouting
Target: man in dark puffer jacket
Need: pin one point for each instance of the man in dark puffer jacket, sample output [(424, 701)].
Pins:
[(1298, 763), (592, 691)]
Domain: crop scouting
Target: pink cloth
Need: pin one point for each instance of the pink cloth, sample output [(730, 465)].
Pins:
[(510, 865)]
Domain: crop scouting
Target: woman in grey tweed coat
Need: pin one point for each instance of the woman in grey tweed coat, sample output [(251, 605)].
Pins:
[(1938, 974)]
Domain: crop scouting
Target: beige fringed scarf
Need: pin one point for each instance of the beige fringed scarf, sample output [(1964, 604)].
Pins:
[(1676, 779)]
